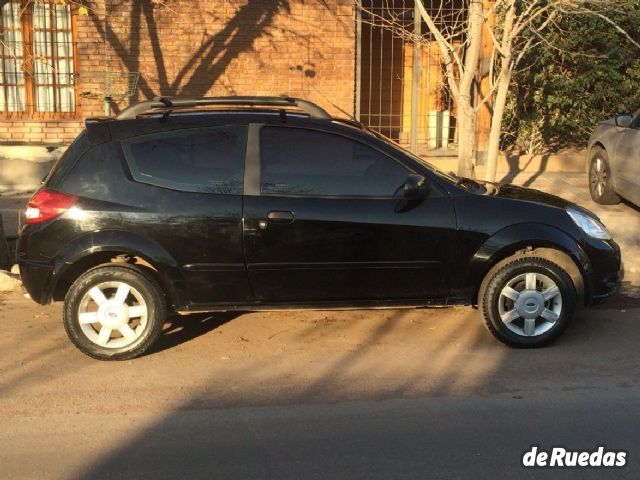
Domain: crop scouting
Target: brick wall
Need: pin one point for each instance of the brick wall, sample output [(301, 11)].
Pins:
[(52, 132), (208, 47)]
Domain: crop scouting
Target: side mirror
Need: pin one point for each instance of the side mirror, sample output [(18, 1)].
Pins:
[(624, 121), (415, 187)]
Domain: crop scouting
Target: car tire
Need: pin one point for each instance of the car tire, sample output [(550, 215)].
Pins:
[(600, 185), (528, 302), (114, 312)]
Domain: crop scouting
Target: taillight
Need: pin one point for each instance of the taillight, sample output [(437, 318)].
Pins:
[(47, 204)]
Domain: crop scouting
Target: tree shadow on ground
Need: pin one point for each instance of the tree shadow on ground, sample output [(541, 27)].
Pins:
[(516, 169), (179, 329), (216, 430)]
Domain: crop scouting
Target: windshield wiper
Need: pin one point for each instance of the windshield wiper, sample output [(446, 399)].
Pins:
[(467, 182)]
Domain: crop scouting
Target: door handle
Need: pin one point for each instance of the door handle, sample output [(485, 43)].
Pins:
[(280, 216)]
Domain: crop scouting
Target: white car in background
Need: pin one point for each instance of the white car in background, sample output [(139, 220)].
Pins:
[(614, 160)]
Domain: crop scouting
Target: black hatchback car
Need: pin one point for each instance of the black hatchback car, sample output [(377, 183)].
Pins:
[(255, 203)]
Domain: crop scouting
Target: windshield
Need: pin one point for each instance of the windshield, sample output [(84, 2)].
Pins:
[(466, 183)]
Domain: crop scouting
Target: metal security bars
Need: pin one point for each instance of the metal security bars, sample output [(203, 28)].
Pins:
[(37, 60), (52, 41), (13, 95), (402, 89)]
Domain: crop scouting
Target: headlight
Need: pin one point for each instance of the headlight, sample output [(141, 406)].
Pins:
[(589, 225)]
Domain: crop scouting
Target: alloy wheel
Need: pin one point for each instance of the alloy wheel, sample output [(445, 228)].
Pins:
[(599, 177), (112, 314), (530, 304)]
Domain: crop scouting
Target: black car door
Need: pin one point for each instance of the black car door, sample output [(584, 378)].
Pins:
[(189, 201), (326, 222)]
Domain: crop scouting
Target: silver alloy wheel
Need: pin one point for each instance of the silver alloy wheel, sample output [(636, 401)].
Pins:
[(112, 314), (598, 176), (530, 304)]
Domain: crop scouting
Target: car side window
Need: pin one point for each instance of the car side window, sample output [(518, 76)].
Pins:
[(298, 161), (206, 160)]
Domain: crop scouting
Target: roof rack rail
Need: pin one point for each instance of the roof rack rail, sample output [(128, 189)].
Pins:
[(350, 121), (169, 103)]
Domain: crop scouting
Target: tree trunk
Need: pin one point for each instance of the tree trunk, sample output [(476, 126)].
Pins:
[(467, 140), (467, 115), (499, 103), (500, 99)]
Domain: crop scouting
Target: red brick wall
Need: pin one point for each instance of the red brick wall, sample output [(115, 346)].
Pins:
[(209, 47), (51, 132)]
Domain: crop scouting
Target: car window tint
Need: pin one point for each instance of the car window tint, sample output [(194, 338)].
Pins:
[(98, 174), (298, 161), (67, 160), (194, 160)]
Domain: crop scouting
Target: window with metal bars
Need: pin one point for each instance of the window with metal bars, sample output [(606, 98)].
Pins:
[(37, 60)]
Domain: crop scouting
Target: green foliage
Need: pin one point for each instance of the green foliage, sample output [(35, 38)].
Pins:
[(584, 71)]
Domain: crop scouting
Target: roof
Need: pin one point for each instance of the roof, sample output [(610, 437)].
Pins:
[(169, 104), (190, 111)]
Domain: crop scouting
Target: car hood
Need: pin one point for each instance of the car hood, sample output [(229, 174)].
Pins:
[(505, 190)]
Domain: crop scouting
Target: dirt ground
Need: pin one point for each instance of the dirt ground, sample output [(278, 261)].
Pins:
[(228, 368), (260, 358)]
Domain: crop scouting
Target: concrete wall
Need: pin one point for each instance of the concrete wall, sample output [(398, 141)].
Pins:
[(23, 167)]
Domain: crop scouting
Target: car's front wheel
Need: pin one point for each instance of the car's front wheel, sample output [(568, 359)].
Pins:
[(114, 312), (600, 184), (529, 302)]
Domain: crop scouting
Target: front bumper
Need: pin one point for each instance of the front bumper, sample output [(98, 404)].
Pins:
[(607, 288), (605, 270)]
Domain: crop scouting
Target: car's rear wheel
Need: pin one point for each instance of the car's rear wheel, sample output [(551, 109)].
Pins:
[(529, 302), (114, 312), (600, 185)]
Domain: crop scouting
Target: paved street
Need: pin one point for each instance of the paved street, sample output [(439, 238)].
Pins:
[(359, 394)]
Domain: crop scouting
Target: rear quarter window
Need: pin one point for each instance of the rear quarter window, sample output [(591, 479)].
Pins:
[(98, 174), (67, 160), (204, 160)]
